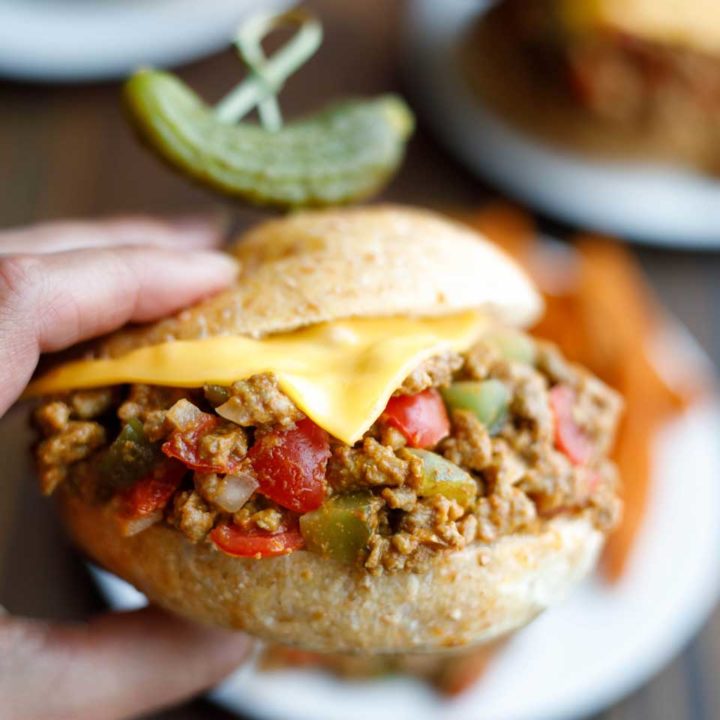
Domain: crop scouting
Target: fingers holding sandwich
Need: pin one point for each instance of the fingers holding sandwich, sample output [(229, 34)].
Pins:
[(116, 666), (49, 302), (192, 232)]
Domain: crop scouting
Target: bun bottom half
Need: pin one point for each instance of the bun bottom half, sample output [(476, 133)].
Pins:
[(464, 598)]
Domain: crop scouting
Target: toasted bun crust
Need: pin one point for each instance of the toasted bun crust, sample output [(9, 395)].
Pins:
[(301, 599), (327, 265)]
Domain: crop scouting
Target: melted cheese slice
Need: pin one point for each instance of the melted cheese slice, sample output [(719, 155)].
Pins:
[(688, 23), (340, 374)]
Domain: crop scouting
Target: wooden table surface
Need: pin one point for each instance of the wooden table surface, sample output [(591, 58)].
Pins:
[(66, 151)]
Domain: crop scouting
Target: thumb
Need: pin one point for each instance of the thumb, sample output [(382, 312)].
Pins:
[(50, 302), (125, 663)]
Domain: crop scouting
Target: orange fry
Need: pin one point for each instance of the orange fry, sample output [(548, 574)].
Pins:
[(562, 325), (645, 411), (462, 671), (507, 225), (619, 316)]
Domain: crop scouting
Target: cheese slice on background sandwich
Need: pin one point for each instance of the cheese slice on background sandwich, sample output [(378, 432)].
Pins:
[(693, 24)]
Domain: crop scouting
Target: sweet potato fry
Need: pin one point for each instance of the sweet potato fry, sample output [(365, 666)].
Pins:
[(645, 412), (461, 672), (620, 316), (513, 229), (562, 324), (507, 225)]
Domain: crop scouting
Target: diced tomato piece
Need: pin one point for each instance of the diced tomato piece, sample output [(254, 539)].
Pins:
[(421, 418), (233, 540), (290, 465), (569, 437), (184, 445), (152, 493)]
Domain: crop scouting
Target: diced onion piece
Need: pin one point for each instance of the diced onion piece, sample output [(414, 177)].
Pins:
[(134, 525), (233, 411), (235, 490), (183, 415)]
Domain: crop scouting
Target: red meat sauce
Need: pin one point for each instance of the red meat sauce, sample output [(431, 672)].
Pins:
[(239, 466)]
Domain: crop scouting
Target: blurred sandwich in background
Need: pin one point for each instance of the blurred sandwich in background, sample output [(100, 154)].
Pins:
[(616, 77)]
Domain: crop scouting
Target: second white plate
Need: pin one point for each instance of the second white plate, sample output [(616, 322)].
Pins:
[(82, 40), (641, 201)]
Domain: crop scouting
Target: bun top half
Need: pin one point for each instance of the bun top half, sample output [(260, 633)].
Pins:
[(326, 265)]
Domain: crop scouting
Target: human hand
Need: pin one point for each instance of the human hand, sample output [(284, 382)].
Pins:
[(62, 283)]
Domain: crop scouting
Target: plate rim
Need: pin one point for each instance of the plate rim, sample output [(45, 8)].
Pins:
[(162, 33)]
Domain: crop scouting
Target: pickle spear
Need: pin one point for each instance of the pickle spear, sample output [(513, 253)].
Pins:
[(342, 154)]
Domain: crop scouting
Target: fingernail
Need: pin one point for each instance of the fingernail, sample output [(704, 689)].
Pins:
[(222, 264), (238, 644), (200, 229)]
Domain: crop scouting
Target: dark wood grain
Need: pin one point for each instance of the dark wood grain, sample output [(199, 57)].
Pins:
[(66, 151)]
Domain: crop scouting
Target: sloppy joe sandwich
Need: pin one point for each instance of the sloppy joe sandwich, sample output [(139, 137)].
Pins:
[(615, 78), (354, 449)]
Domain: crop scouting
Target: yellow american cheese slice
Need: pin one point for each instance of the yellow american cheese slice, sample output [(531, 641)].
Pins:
[(687, 23), (340, 374)]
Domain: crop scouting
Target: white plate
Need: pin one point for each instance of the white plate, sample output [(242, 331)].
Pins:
[(645, 202), (81, 40), (579, 657)]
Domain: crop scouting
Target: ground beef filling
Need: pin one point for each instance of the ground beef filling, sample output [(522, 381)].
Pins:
[(204, 454)]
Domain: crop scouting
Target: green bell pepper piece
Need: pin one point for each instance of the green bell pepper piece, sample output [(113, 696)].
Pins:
[(341, 527), (129, 457), (513, 345), (216, 394), (488, 400), (442, 477)]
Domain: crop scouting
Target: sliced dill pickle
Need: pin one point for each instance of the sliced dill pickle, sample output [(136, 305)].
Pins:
[(442, 477), (342, 154), (341, 527)]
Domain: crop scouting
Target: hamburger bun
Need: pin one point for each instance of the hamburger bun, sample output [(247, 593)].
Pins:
[(464, 598), (325, 265), (309, 268)]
